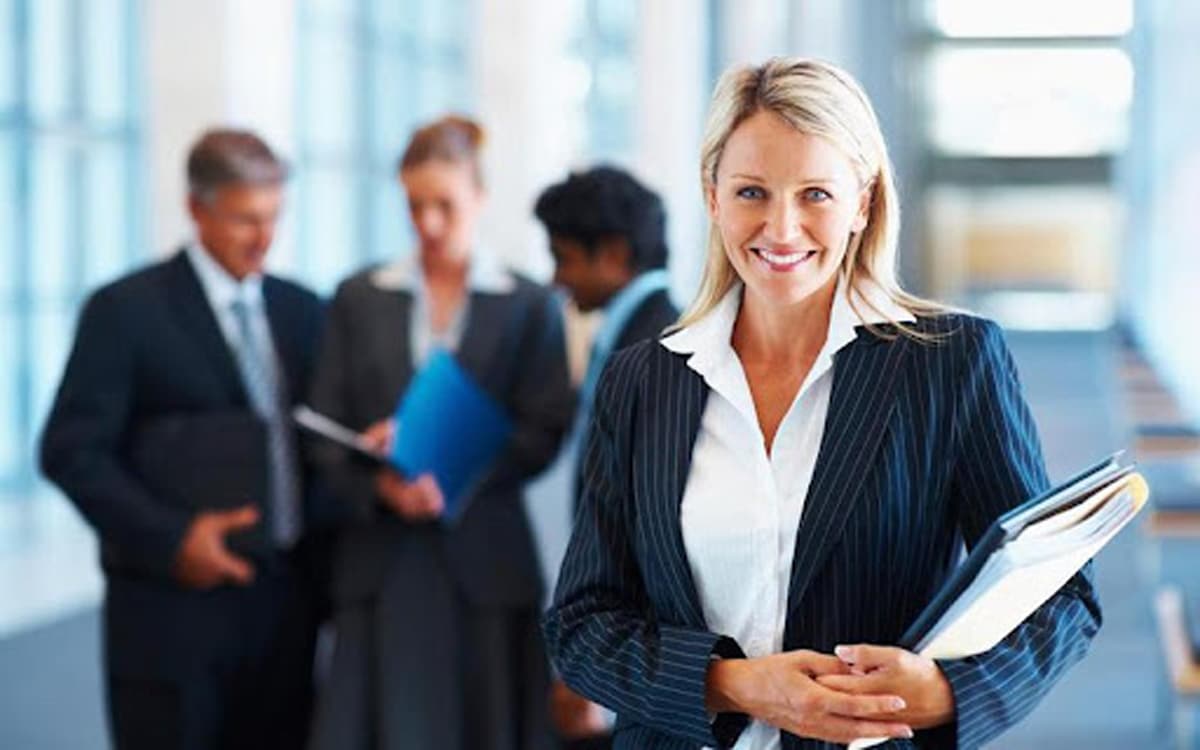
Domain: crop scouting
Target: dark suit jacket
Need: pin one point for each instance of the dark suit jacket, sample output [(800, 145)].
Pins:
[(649, 320), (512, 343), (148, 346), (924, 445)]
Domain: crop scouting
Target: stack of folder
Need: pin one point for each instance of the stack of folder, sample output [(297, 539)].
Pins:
[(1022, 560)]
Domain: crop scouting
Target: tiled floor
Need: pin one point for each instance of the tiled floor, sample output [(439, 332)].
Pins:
[(50, 671)]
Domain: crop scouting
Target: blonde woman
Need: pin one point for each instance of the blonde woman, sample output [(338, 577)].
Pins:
[(774, 490)]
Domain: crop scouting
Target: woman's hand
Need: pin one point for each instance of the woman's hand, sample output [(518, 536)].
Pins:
[(418, 500), (785, 691), (883, 669), (380, 437)]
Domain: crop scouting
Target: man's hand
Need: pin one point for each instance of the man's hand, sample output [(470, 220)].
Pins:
[(203, 561), (574, 716), (917, 679)]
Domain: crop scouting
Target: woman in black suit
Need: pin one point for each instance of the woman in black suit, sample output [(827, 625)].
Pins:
[(780, 485), (437, 641)]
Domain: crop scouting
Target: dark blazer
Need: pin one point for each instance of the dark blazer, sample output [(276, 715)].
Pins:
[(512, 343), (924, 445), (148, 346), (649, 320)]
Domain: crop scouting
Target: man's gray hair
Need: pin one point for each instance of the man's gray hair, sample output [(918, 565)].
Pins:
[(232, 157)]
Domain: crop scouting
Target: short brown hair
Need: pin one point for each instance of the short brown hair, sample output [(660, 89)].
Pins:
[(224, 156), (452, 138)]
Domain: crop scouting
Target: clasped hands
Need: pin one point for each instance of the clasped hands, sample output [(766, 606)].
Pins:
[(418, 500), (862, 691)]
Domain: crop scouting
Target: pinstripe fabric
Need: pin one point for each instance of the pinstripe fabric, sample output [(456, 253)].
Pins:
[(924, 446)]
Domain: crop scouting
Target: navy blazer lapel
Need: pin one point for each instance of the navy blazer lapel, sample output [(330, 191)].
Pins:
[(865, 377), (674, 401), (284, 329), (196, 315)]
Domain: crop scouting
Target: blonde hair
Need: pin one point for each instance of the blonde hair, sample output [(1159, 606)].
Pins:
[(450, 138), (822, 100)]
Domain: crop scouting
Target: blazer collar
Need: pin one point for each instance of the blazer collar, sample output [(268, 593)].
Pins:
[(195, 314)]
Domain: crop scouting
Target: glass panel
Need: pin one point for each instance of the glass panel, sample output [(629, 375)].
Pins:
[(392, 103), (442, 24), (329, 89), (1031, 18), (393, 19), (329, 221), (437, 91), (52, 215), (615, 19), (10, 428), (50, 67), (8, 220), (1029, 102), (106, 47), (393, 232), (107, 244), (341, 12), (53, 329), (8, 60)]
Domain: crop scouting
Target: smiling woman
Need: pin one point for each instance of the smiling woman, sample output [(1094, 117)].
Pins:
[(772, 492)]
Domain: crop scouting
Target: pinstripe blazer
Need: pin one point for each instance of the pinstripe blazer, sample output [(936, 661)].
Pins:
[(925, 445)]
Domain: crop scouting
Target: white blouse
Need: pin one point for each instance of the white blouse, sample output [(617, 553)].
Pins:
[(741, 507)]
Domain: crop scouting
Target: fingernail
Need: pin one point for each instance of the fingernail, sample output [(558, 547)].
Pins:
[(908, 733), (845, 653), (898, 704)]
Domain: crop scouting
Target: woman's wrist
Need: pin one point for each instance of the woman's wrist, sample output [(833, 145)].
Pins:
[(721, 686)]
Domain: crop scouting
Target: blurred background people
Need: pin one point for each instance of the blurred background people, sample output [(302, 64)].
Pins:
[(607, 234), (204, 646), (436, 620)]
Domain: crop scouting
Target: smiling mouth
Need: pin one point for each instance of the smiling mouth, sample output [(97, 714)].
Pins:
[(783, 261)]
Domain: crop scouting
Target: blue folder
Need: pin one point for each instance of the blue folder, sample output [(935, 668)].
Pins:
[(448, 426)]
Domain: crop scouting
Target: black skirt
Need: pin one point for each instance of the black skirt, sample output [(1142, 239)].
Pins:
[(418, 667)]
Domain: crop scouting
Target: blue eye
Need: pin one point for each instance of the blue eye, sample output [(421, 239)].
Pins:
[(816, 195), (750, 193)]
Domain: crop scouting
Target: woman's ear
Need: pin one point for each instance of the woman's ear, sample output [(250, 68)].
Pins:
[(865, 198), (710, 199)]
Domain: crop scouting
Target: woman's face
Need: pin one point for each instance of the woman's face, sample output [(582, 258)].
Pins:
[(444, 203), (786, 204)]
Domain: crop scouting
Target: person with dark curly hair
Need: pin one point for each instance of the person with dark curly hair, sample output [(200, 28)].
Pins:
[(607, 235)]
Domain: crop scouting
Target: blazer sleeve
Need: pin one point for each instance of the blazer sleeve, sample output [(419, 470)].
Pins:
[(540, 398), (350, 479), (81, 442), (601, 630), (999, 465)]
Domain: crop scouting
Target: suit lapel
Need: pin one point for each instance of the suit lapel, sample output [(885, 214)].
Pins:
[(488, 318), (674, 405), (283, 335), (196, 316), (863, 398)]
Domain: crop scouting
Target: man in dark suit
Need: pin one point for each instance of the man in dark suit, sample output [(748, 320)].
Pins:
[(607, 236), (205, 646)]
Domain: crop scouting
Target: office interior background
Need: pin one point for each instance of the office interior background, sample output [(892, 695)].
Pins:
[(1048, 154)]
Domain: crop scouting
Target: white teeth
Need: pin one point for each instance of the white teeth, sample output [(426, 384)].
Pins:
[(780, 259)]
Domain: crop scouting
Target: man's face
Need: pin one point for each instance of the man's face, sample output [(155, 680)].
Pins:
[(590, 278), (236, 224)]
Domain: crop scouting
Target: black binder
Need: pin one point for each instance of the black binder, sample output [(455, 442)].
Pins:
[(209, 461)]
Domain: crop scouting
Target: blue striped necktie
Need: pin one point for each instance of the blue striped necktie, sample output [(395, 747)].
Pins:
[(261, 376)]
